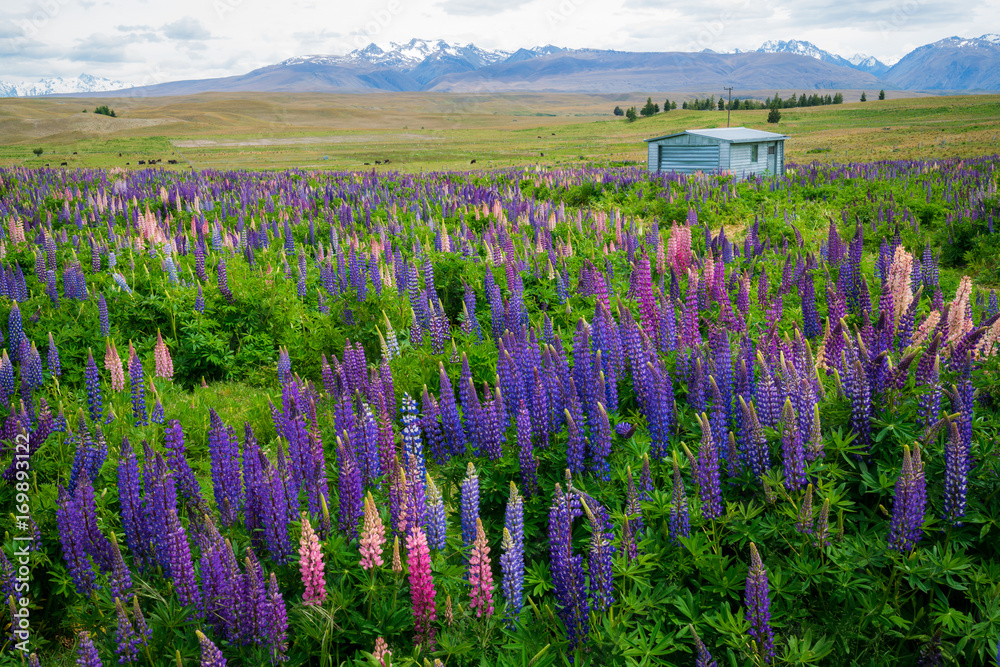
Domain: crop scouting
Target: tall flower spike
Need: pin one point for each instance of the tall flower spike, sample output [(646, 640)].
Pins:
[(161, 355), (480, 574), (758, 612), (421, 588), (311, 565), (372, 536), (805, 518), (470, 505), (87, 652), (793, 454), (702, 657), (709, 486), (211, 656), (680, 522), (908, 507)]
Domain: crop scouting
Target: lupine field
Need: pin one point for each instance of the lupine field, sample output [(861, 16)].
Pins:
[(527, 417)]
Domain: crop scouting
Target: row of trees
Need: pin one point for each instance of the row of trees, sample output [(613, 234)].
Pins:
[(711, 103)]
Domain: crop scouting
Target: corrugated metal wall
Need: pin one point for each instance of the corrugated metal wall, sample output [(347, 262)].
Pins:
[(688, 159), (653, 159)]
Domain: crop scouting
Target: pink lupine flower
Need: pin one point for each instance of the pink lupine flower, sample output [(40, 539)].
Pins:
[(381, 651), (164, 365), (113, 363), (372, 535), (311, 565), (480, 574), (421, 587)]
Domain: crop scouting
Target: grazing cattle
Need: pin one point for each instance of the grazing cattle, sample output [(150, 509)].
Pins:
[(553, 134), (46, 164), (367, 164), (171, 161), (119, 155), (74, 152), (386, 161), (539, 136), (542, 154), (128, 163), (378, 161), (142, 162), (62, 164), (473, 161)]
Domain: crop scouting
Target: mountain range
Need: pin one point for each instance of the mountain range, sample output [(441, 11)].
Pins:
[(951, 64)]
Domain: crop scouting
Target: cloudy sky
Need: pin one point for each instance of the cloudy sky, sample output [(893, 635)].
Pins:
[(145, 41)]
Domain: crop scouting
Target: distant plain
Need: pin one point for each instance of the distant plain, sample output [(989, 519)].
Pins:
[(441, 131)]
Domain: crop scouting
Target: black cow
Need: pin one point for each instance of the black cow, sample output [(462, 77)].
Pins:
[(473, 161), (171, 161), (142, 162), (378, 161), (62, 164), (74, 152)]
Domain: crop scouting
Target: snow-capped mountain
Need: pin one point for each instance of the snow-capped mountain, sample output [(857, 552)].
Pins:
[(953, 63), (867, 63), (411, 54), (85, 83)]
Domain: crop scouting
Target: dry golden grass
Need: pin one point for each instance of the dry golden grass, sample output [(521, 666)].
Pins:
[(429, 131)]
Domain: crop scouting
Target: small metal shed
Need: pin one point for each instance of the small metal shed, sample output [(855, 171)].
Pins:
[(738, 150)]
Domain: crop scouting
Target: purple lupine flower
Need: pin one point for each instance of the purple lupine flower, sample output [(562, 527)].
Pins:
[(7, 387), (127, 639), (526, 454), (130, 501), (624, 429), (121, 577), (211, 656), (567, 567), (450, 420), (956, 480), (709, 486), (226, 483), (906, 527), (430, 426), (15, 332), (173, 442), (223, 280), (512, 559), (702, 657), (490, 434), (74, 539), (758, 612), (470, 505), (137, 380), (601, 444), (756, 456), (645, 480), (436, 519), (181, 564), (792, 453), (350, 492), (199, 300), (276, 637), (602, 550), (87, 652), (644, 295)]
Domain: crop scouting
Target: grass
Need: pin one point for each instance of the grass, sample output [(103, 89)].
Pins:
[(426, 131)]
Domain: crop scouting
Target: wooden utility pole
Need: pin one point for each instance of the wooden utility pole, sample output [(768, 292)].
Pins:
[(729, 107)]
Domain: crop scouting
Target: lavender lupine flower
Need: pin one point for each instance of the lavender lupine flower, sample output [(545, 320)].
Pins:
[(702, 657), (199, 301), (181, 563), (7, 384), (576, 444), (602, 550), (601, 444), (567, 567), (450, 420), (102, 312), (633, 509), (223, 280), (526, 455), (680, 522), (956, 479), (137, 380), (709, 486), (211, 656), (793, 455), (470, 505), (226, 483), (624, 429), (92, 379), (127, 639), (276, 628), (74, 538), (436, 518), (758, 612), (87, 652), (350, 488), (908, 507)]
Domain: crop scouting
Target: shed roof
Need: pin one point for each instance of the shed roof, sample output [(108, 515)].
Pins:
[(729, 135)]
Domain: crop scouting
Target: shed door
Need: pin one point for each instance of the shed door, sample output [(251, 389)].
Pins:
[(772, 158), (688, 159)]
